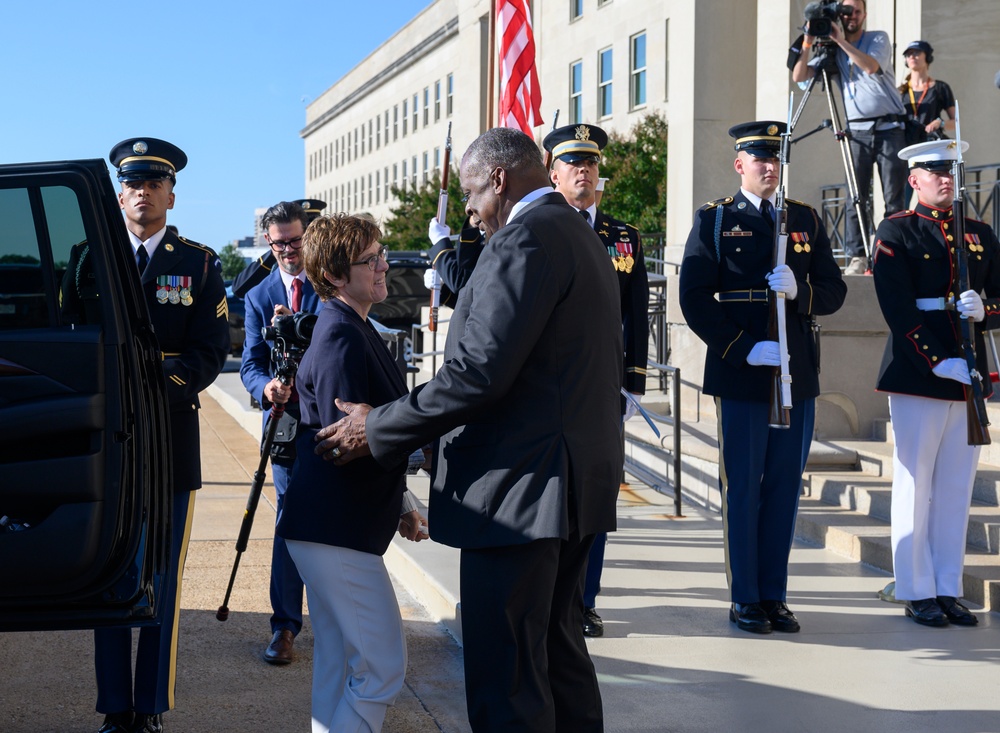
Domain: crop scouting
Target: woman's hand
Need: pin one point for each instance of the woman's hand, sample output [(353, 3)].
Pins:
[(413, 526)]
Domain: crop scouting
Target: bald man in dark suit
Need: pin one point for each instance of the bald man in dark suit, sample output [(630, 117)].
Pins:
[(527, 416)]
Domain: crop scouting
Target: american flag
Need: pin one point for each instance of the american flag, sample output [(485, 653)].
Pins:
[(520, 96)]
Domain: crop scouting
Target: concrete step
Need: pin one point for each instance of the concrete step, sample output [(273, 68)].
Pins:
[(846, 503)]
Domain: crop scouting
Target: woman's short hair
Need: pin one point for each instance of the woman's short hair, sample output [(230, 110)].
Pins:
[(331, 244)]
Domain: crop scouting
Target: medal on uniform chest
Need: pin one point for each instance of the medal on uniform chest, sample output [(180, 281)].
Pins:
[(186, 298), (801, 240), (628, 261), (173, 295), (161, 289)]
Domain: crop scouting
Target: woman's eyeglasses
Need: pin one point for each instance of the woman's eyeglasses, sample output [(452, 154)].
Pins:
[(372, 261)]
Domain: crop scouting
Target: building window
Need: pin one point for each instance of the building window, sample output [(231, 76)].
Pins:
[(437, 101), (362, 139), (406, 115), (369, 189), (336, 154), (356, 143), (426, 168), (427, 106), (576, 92), (395, 122), (416, 112), (413, 172), (355, 207), (404, 176), (378, 132), (437, 161), (575, 9), (385, 185), (604, 75), (637, 85), (370, 148), (602, 3), (451, 94)]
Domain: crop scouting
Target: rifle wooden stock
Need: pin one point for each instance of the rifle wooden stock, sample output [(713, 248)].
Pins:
[(975, 403)]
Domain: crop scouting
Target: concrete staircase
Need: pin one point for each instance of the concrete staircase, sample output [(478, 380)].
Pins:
[(845, 506)]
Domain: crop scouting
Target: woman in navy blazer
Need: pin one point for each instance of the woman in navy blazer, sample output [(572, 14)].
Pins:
[(338, 520)]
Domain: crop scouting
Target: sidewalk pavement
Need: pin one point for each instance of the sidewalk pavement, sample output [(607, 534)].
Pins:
[(669, 661)]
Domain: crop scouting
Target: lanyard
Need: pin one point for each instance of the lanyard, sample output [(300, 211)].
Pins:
[(917, 103)]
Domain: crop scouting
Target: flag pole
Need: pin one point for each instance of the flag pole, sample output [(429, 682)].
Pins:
[(490, 69)]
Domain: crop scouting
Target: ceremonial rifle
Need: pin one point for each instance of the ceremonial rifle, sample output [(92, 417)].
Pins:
[(547, 158), (781, 382), (975, 403), (442, 213)]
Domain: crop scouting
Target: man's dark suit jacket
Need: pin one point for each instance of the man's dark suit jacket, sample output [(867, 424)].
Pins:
[(527, 401)]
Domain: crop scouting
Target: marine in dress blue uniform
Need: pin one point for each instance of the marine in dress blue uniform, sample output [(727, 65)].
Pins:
[(725, 278), (925, 374), (186, 298), (576, 154), (283, 222), (254, 273)]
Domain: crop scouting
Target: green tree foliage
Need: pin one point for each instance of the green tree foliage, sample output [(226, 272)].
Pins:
[(232, 261), (637, 168), (406, 227)]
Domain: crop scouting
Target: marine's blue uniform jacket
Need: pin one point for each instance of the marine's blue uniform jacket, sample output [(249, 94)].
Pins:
[(729, 252), (913, 259)]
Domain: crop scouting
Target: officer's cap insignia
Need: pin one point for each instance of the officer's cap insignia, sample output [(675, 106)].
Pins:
[(140, 147), (582, 132), (772, 130)]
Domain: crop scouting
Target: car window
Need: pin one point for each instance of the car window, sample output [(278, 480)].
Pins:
[(31, 275)]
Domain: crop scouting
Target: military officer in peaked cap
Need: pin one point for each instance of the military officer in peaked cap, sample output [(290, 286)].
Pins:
[(727, 271), (926, 376), (260, 268), (183, 286), (576, 158)]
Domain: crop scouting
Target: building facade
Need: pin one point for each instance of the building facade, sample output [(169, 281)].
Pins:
[(704, 65)]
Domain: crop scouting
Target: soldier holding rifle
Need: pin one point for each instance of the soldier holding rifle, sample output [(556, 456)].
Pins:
[(726, 278), (936, 423)]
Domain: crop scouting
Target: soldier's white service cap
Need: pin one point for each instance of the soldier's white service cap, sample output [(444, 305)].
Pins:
[(933, 155)]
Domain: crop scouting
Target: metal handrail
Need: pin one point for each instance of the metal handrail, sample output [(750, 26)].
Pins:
[(674, 421)]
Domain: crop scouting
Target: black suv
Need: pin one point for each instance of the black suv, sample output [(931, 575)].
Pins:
[(84, 440)]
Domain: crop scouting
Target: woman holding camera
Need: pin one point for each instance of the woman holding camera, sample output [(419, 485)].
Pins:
[(926, 98), (338, 520)]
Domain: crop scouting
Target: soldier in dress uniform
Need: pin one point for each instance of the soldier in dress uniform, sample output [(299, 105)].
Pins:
[(727, 271), (183, 286), (254, 273), (925, 374), (453, 262), (576, 157)]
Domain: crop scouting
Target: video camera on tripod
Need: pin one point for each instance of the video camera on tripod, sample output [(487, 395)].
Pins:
[(290, 335), (821, 16)]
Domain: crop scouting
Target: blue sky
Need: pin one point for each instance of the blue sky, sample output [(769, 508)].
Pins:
[(228, 82)]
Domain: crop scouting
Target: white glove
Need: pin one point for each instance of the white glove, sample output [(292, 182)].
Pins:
[(436, 232), (970, 303), (764, 353), (955, 369), (431, 278), (630, 407), (782, 280)]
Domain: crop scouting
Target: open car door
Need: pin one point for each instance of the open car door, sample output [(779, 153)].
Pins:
[(84, 447)]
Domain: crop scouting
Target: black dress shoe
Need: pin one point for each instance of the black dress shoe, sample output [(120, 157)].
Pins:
[(927, 612), (750, 617), (956, 612), (592, 623), (781, 618), (279, 651), (117, 723), (147, 723)]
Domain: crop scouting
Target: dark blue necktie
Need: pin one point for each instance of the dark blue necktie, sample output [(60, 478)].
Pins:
[(142, 258), (767, 210), (585, 214)]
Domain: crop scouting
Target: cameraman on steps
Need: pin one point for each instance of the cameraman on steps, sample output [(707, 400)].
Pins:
[(873, 109)]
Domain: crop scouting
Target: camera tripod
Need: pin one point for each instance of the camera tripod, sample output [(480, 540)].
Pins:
[(822, 62), (286, 359)]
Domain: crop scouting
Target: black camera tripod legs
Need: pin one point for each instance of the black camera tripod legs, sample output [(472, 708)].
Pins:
[(252, 500)]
